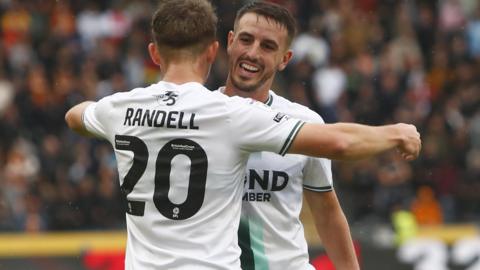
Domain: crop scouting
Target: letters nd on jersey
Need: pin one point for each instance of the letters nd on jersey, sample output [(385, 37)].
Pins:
[(279, 181)]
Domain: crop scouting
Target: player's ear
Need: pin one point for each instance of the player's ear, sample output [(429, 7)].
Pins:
[(154, 53), (230, 37), (212, 51), (285, 59)]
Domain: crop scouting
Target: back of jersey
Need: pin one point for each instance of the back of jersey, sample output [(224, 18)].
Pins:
[(182, 170)]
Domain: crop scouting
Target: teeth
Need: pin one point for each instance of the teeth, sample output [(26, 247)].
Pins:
[(249, 67)]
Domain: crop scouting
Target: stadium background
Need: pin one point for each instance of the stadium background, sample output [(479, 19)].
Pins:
[(365, 61)]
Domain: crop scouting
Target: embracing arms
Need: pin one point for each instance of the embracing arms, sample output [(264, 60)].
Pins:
[(348, 141), (74, 118), (343, 141)]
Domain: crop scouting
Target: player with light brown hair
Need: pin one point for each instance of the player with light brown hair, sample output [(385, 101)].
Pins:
[(181, 149)]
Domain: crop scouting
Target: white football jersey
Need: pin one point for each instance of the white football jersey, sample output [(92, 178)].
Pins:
[(181, 152), (271, 235)]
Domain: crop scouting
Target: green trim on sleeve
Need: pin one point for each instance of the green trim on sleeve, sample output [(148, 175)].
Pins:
[(83, 118), (291, 137), (318, 189)]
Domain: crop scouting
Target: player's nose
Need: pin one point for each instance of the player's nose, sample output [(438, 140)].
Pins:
[(253, 51)]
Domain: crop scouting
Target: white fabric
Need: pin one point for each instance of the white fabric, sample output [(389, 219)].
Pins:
[(271, 215), (228, 130)]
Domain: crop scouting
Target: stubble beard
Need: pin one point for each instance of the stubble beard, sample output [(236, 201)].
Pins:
[(247, 87), (243, 86)]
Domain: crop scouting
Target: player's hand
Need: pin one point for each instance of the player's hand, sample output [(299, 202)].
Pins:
[(410, 143)]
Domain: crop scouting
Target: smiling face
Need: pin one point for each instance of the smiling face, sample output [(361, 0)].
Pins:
[(257, 49)]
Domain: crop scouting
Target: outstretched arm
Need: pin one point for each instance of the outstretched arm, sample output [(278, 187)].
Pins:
[(348, 141), (332, 227), (74, 118)]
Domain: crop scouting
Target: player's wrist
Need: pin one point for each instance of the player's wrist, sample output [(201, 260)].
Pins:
[(396, 136)]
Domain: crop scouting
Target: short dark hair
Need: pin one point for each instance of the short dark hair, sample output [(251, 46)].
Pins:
[(184, 24), (270, 11)]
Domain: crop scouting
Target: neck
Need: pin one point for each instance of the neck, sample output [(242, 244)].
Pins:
[(184, 72), (260, 94)]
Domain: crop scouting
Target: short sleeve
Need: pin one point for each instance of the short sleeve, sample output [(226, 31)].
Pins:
[(317, 171), (256, 127), (318, 174), (95, 118)]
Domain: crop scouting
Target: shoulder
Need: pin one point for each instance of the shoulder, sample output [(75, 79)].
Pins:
[(201, 91), (216, 94), (249, 104), (120, 96), (295, 110), (235, 102)]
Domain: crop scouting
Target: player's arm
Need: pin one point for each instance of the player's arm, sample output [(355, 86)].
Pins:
[(333, 229), (74, 118), (348, 141)]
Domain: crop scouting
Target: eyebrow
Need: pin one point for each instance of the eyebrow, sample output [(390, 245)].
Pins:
[(270, 42), (245, 34)]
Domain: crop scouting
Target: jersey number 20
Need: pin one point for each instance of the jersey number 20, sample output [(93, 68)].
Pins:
[(163, 166)]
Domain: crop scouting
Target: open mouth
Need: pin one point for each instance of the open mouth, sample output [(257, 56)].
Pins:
[(249, 68)]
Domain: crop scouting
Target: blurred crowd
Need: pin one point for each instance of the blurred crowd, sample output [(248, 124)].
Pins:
[(366, 61)]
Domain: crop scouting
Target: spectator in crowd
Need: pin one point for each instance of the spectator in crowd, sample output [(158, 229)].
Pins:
[(426, 208), (391, 61)]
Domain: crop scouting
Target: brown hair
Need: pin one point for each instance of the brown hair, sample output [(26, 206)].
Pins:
[(273, 12), (187, 25)]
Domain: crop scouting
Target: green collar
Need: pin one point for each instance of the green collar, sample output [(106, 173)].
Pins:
[(269, 100)]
